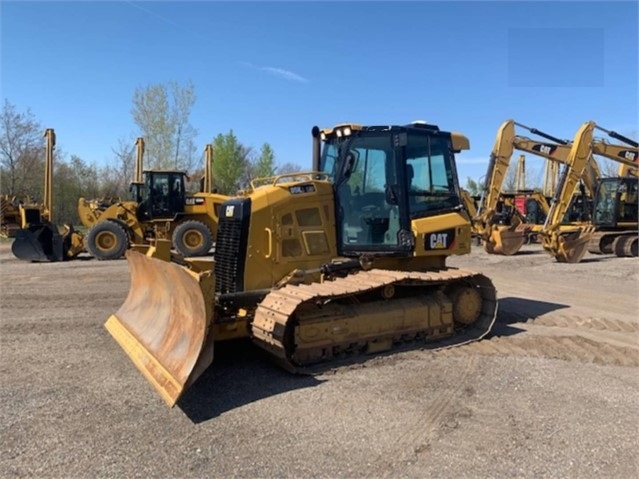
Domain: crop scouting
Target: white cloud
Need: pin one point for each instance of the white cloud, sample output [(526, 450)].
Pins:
[(286, 74), (278, 72)]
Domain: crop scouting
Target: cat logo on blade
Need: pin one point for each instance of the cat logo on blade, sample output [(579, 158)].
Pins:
[(228, 212), (440, 240)]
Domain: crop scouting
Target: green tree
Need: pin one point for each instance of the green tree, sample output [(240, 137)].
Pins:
[(473, 187), (265, 163), (161, 112), (72, 180), (230, 163)]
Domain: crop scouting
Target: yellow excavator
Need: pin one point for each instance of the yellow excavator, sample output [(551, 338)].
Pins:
[(39, 238), (497, 222), (614, 221), (616, 202), (349, 258)]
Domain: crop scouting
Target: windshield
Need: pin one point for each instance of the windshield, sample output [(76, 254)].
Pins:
[(616, 201)]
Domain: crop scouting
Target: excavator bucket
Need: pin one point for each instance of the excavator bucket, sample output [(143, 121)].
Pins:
[(163, 325), (40, 242), (506, 240), (573, 246)]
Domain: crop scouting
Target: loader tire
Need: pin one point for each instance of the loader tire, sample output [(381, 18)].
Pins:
[(107, 240), (192, 238)]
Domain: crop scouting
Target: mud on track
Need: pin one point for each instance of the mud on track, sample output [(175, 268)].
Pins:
[(553, 392)]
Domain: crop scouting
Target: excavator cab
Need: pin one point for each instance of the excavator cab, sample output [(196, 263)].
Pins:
[(163, 195), (616, 202)]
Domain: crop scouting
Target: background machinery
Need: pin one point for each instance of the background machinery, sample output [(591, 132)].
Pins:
[(349, 258), (161, 208), (39, 238), (11, 214), (614, 223), (503, 228)]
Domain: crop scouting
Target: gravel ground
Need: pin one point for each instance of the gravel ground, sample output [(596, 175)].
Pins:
[(553, 393)]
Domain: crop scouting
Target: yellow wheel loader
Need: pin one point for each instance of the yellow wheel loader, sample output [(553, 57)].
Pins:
[(347, 259), (165, 210), (161, 208)]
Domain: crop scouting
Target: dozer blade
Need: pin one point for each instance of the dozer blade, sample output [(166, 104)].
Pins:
[(38, 243), (163, 324), (572, 246)]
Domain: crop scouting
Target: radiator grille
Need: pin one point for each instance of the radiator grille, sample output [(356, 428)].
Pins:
[(230, 247)]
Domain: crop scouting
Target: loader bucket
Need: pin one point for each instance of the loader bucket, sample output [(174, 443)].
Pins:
[(572, 246), (163, 324), (38, 243)]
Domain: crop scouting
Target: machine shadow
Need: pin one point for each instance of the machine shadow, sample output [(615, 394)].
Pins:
[(241, 373), (519, 310), (598, 259)]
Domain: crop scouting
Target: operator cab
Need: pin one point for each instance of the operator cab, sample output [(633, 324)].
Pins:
[(163, 195), (616, 202), (384, 177)]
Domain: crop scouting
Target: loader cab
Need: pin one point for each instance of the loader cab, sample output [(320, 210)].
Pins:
[(384, 178), (616, 202), (164, 195)]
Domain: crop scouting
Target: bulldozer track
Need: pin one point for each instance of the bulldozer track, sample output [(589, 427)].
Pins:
[(278, 317)]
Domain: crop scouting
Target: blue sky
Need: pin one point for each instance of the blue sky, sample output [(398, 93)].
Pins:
[(272, 70)]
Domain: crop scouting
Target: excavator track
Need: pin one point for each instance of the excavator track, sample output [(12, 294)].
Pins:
[(620, 243), (373, 311)]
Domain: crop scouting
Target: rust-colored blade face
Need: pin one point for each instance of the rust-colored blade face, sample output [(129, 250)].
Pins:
[(162, 325), (573, 247)]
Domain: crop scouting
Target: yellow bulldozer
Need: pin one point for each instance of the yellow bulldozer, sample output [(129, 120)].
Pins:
[(347, 259)]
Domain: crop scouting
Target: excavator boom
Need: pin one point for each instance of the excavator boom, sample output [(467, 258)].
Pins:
[(569, 247)]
